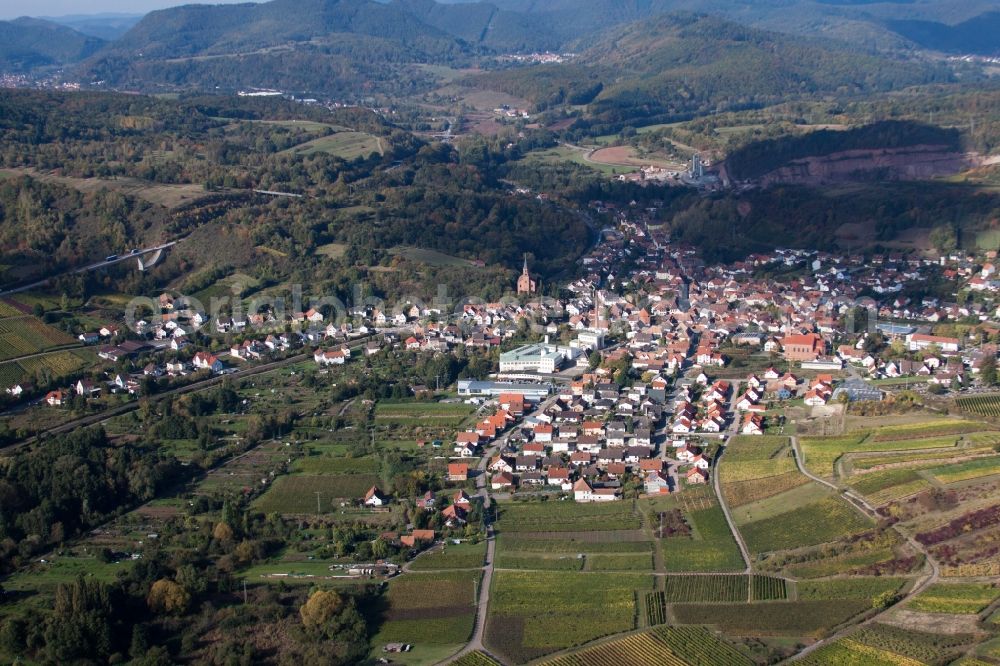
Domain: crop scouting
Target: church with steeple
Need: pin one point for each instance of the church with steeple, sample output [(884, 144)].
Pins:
[(525, 284)]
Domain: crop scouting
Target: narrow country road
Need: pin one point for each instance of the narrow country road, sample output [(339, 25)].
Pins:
[(476, 641), (933, 569), (733, 430)]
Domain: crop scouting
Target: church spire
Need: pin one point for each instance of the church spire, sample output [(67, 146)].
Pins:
[(524, 271)]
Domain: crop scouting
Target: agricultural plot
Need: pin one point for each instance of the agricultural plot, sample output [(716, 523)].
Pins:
[(636, 650), (527, 542), (654, 608), (429, 609), (822, 453), (820, 521), (441, 414), (475, 659), (980, 405), (789, 618), (888, 485), (936, 428), (20, 336), (700, 647), (539, 561), (325, 464), (955, 598), (755, 468), (928, 648), (862, 560), (766, 588), (619, 562), (686, 589), (567, 517), (522, 627), (964, 471), (849, 588), (705, 543), (452, 556), (346, 145), (847, 652), (296, 493)]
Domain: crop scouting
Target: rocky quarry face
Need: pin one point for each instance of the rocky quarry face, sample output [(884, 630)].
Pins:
[(908, 163)]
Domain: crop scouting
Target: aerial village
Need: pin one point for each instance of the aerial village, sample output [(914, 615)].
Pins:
[(638, 375)]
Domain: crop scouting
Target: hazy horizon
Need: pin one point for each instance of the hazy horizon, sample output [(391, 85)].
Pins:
[(58, 8)]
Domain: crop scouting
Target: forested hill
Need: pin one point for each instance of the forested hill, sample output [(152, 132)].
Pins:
[(193, 30), (757, 159), (27, 44), (679, 65)]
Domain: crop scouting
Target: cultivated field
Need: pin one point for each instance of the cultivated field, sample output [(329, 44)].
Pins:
[(20, 336), (346, 145), (529, 611), (790, 618), (296, 493), (433, 609)]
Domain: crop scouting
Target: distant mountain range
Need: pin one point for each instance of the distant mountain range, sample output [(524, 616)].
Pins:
[(347, 47), (27, 44)]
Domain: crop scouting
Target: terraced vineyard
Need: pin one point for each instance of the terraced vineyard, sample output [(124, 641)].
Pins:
[(47, 367), (983, 405), (766, 588), (700, 647), (636, 650), (656, 608), (847, 652), (669, 646), (706, 588), (20, 336)]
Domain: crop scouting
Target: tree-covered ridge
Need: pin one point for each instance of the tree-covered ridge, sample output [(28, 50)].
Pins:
[(27, 44), (762, 157), (679, 65)]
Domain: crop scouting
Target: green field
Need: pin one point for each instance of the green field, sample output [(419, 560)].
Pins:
[(955, 598), (821, 453), (818, 522), (710, 546), (928, 648), (346, 145), (964, 471), (535, 613), (567, 517), (20, 336), (680, 589), (432, 608), (565, 154), (296, 493), (452, 556), (848, 588), (666, 646), (444, 414), (787, 618), (847, 652)]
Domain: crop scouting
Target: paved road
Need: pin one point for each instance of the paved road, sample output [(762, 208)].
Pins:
[(90, 267), (476, 642), (733, 429)]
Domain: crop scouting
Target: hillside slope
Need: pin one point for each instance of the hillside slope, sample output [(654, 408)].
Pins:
[(678, 65), (27, 44)]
